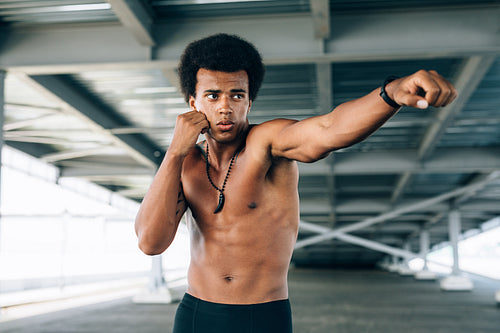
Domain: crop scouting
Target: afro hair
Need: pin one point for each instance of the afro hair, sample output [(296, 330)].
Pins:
[(220, 52)]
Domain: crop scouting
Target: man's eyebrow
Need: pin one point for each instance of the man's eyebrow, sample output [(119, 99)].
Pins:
[(218, 91), (212, 91)]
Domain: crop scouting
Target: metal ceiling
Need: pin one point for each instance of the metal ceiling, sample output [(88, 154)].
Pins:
[(91, 87)]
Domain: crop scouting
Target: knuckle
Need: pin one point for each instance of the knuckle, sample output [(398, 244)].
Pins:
[(422, 72), (434, 91)]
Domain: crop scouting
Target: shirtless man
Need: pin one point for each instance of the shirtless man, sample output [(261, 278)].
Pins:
[(240, 184)]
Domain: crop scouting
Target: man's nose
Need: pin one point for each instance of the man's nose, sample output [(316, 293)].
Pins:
[(225, 105)]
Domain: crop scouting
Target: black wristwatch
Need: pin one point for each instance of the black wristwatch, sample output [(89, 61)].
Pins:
[(384, 95)]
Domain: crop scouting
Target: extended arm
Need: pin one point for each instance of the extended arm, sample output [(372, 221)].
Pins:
[(164, 204), (351, 122)]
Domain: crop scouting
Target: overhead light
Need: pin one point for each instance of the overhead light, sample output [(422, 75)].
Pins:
[(90, 6), (201, 2)]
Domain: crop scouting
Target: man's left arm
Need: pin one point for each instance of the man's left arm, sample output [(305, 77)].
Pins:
[(314, 138)]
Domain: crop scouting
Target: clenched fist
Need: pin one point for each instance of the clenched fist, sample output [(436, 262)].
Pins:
[(188, 127), (421, 90)]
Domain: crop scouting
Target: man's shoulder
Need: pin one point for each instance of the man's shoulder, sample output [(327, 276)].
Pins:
[(270, 128), (262, 136)]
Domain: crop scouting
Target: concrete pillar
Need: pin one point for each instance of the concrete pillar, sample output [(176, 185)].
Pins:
[(384, 264), (157, 290), (393, 266), (404, 268), (156, 279), (3, 74), (454, 227), (455, 281), (425, 274)]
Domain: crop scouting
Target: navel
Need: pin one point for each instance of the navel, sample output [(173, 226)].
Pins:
[(252, 205), (228, 278)]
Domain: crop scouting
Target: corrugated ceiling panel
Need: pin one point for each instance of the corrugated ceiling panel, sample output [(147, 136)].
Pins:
[(54, 11)]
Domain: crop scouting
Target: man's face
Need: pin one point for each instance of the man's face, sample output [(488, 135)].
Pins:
[(223, 98)]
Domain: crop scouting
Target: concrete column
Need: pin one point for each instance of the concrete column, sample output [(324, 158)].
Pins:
[(404, 268), (454, 228), (3, 74), (157, 290), (455, 281), (425, 274), (384, 264), (156, 280), (393, 266)]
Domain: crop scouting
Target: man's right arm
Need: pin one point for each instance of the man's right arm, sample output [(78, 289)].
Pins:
[(162, 208), (164, 204)]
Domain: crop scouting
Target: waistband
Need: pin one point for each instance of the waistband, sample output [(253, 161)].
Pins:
[(202, 305)]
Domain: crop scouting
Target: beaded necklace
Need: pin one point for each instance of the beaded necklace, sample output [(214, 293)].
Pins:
[(220, 190)]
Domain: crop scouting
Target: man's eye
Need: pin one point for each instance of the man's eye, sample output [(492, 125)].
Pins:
[(212, 96), (238, 96)]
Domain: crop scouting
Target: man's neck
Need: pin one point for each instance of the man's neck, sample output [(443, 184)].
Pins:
[(222, 152)]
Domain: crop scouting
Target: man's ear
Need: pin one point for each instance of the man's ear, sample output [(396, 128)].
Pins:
[(192, 103), (249, 106)]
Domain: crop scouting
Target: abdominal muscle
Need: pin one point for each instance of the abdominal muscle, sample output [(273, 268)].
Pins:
[(244, 263)]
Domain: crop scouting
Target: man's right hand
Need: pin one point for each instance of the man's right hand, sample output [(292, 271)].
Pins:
[(188, 127)]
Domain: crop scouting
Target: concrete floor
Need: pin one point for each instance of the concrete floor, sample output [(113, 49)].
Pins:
[(323, 301)]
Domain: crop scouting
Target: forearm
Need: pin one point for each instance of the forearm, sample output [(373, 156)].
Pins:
[(162, 208), (354, 121)]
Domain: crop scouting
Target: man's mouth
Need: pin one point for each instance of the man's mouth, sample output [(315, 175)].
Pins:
[(225, 125)]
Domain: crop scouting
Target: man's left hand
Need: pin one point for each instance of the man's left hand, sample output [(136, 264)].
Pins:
[(421, 90)]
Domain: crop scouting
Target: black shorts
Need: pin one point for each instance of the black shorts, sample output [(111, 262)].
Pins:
[(197, 316)]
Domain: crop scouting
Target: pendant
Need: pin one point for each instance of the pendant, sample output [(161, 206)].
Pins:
[(221, 203)]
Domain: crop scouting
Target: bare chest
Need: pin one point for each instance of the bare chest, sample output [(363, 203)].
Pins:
[(241, 187)]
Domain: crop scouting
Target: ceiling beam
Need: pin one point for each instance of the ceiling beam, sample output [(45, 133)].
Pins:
[(65, 155), (463, 198), (12, 137), (14, 125), (100, 118), (320, 13), (401, 185), (373, 245), (441, 33), (135, 17), (93, 170), (324, 87)]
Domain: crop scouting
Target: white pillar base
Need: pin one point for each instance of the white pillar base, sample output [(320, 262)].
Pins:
[(425, 275), (406, 271), (392, 268), (456, 283), (159, 296)]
